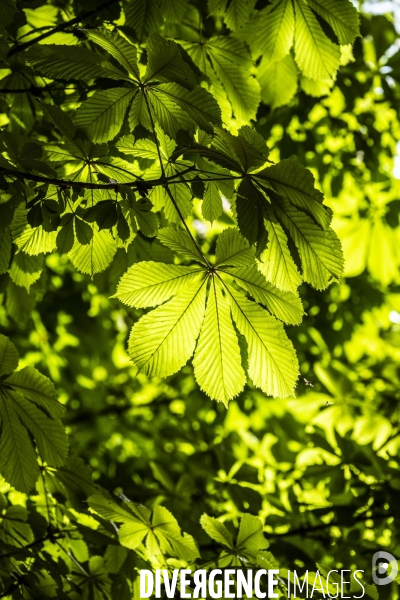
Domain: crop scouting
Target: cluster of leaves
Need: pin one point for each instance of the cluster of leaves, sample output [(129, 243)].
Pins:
[(276, 208)]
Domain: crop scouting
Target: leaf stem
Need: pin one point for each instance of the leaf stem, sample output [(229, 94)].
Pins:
[(171, 197)]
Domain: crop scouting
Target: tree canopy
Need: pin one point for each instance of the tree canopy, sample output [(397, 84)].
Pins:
[(199, 287)]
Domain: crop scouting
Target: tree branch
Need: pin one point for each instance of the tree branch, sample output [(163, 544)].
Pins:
[(137, 184), (61, 27)]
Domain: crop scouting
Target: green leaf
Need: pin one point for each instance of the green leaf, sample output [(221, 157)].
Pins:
[(238, 13), (83, 231), (320, 251), (95, 256), (8, 356), (278, 81), (212, 202), (198, 104), (5, 250), (341, 15), (103, 113), (151, 283), (233, 249), (250, 535), (104, 213), (49, 434), (65, 237), (144, 16), (242, 89), (296, 183), (124, 52), (25, 269), (169, 115), (216, 530), (18, 462), (32, 240), (71, 62), (139, 215), (38, 389), (315, 54), (250, 207), (165, 526), (277, 264), (284, 305), (165, 63), (60, 119), (132, 534), (110, 510), (217, 361), (7, 11), (162, 341), (138, 113), (19, 303), (181, 206), (273, 364), (272, 31), (179, 241)]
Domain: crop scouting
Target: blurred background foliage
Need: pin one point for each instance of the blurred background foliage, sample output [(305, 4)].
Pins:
[(322, 470)]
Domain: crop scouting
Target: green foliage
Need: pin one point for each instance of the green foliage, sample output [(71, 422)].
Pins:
[(28, 403), (177, 182)]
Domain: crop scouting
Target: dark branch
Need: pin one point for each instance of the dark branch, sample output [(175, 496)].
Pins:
[(63, 183)]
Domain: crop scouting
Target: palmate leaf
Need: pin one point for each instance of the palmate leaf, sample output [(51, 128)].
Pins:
[(217, 361), (161, 529), (163, 340), (27, 404)]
